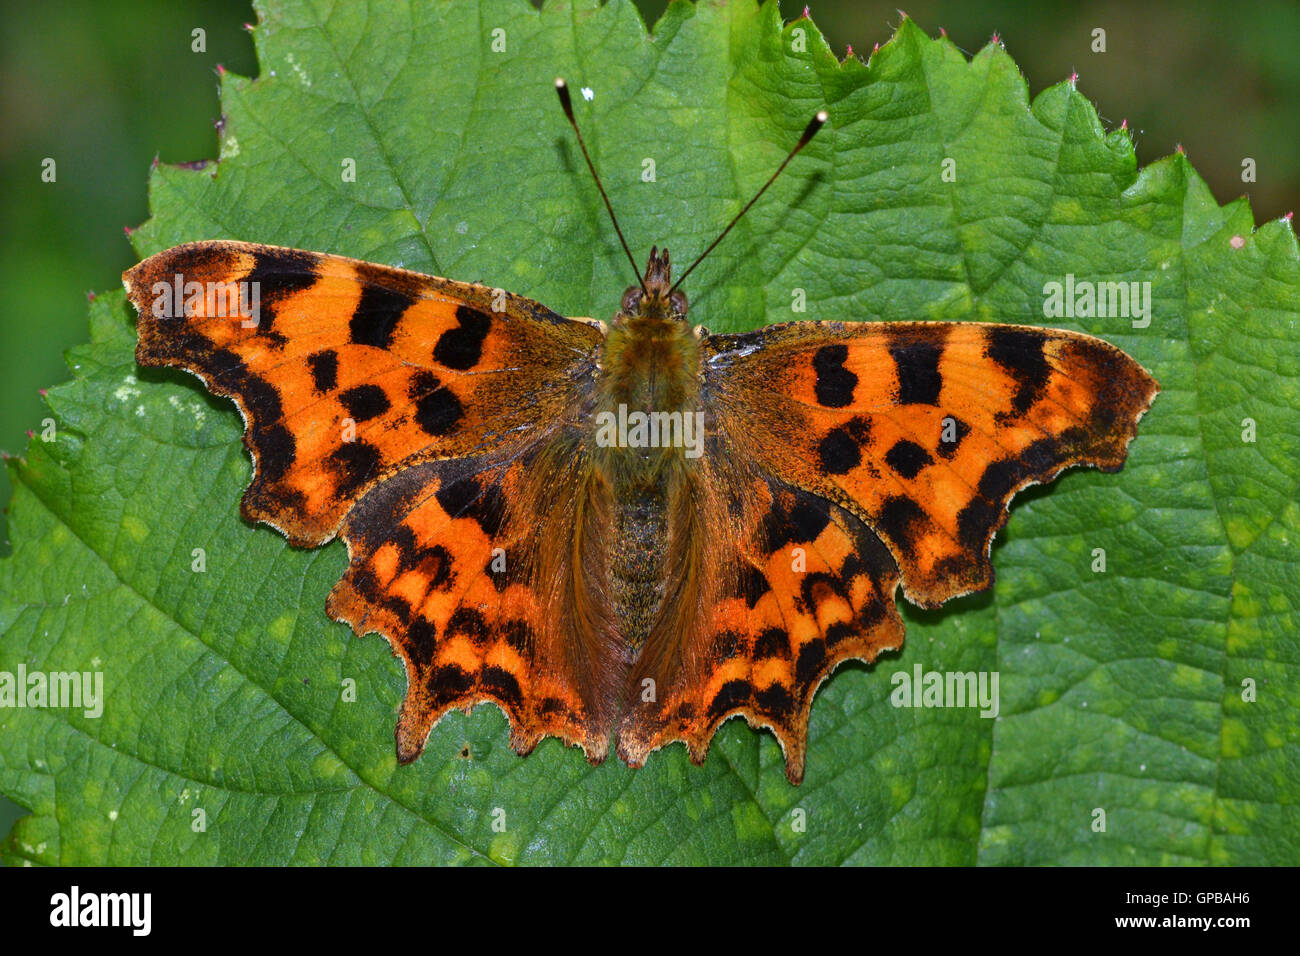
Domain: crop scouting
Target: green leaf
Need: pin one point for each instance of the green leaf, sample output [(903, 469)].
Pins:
[(1121, 691)]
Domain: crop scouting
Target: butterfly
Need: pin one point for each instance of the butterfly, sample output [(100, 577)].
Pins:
[(623, 533)]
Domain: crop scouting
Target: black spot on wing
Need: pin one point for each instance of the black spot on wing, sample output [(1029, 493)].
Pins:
[(793, 520), (1020, 353), (818, 587), (422, 637), (436, 562), (471, 498), (356, 463), (732, 694), (838, 452), (433, 561), (438, 413), (974, 522), (950, 436), (1000, 478), (227, 370), (279, 274), (808, 518), (462, 347), (324, 368), (835, 384), (502, 684), (871, 613), (750, 584), (275, 451), (274, 443), (380, 308), (467, 622), (776, 701), (499, 577), (364, 402), (917, 363), (907, 458), (900, 518), (772, 642), (812, 656), (447, 683), (437, 410), (519, 635), (399, 607), (839, 632), (870, 559)]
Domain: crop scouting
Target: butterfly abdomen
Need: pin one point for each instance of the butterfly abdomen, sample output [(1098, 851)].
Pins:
[(636, 561)]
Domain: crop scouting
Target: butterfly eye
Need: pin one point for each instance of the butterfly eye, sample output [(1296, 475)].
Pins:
[(631, 299), (678, 302)]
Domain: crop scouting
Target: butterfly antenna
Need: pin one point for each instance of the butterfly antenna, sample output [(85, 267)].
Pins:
[(809, 132), (562, 89)]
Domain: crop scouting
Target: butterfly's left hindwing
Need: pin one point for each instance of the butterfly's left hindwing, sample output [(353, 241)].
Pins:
[(455, 558)]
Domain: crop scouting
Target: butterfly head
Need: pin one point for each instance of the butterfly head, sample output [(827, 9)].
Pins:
[(655, 297)]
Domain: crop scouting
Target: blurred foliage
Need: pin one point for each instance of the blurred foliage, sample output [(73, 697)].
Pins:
[(105, 87), (102, 88)]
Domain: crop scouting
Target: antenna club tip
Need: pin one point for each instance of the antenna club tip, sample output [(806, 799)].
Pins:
[(814, 124), (566, 103)]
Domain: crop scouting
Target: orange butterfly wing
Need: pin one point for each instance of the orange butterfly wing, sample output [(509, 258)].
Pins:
[(452, 559), (848, 458), (398, 409), (925, 430), (796, 585), (422, 368)]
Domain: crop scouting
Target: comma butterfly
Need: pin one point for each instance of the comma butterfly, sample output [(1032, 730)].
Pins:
[(635, 530)]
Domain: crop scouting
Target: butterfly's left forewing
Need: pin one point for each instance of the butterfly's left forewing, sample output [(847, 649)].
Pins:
[(346, 370)]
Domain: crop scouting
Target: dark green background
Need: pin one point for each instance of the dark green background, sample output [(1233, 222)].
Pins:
[(104, 87)]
